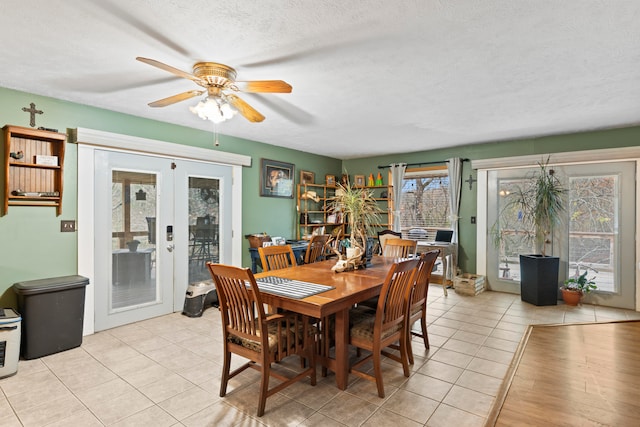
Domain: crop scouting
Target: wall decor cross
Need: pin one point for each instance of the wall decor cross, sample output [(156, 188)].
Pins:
[(32, 111), (470, 181)]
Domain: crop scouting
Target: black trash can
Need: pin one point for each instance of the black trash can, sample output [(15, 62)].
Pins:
[(52, 314)]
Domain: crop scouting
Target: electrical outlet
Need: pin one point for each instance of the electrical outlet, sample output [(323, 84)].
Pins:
[(67, 225), (473, 220)]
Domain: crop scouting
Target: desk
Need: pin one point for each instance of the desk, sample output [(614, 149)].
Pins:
[(299, 250), (350, 288), (448, 255)]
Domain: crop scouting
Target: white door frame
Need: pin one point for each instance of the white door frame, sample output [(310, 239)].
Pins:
[(88, 141), (575, 157)]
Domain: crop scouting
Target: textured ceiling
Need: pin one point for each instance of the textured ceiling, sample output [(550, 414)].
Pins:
[(369, 77)]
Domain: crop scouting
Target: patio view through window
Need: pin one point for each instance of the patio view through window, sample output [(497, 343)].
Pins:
[(425, 200), (591, 223)]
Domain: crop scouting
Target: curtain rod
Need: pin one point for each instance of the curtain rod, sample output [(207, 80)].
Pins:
[(422, 163)]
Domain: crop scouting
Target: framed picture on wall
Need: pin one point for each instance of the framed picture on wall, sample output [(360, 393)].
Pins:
[(307, 177), (330, 180), (276, 178)]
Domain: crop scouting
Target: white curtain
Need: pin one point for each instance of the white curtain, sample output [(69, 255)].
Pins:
[(397, 175), (454, 167)]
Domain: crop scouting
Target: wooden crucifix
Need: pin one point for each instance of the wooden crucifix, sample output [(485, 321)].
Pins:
[(32, 111)]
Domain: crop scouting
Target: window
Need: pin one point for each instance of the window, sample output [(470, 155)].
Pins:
[(425, 199)]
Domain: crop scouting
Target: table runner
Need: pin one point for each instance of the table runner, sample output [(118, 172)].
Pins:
[(290, 288)]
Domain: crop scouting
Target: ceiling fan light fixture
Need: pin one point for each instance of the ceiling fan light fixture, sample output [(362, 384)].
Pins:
[(215, 109)]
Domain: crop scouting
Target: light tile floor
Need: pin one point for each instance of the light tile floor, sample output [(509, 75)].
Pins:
[(166, 371)]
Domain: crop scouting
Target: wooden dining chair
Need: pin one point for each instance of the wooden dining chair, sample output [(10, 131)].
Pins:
[(395, 248), (250, 333), (385, 235), (373, 331), (399, 248), (418, 301), (276, 257), (316, 249)]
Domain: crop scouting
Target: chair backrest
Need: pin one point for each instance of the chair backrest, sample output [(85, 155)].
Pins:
[(423, 275), (316, 249), (240, 304), (399, 248), (204, 228), (394, 297), (385, 235), (276, 257), (444, 236), (151, 230)]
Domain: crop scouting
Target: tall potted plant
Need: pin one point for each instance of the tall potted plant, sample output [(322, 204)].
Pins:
[(540, 203), (361, 212)]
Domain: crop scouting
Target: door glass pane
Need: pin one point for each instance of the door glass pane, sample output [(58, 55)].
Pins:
[(600, 203), (593, 228), (510, 231), (204, 232), (133, 231)]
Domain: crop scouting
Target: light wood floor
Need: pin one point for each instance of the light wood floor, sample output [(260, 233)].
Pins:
[(573, 375)]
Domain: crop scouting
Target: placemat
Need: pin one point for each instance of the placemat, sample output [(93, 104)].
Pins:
[(290, 288)]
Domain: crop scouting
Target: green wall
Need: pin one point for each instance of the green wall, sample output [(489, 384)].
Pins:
[(31, 244), (624, 137)]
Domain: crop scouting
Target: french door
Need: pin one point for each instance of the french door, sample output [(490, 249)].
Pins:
[(598, 233), (157, 222)]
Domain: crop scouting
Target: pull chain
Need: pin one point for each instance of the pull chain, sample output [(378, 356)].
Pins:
[(215, 134)]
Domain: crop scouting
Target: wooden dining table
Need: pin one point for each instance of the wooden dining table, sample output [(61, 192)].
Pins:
[(348, 288)]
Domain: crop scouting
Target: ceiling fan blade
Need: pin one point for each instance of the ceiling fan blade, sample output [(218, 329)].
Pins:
[(264, 86), (169, 68), (245, 109), (176, 98)]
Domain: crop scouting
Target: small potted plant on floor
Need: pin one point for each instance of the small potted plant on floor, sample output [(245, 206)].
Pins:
[(575, 287)]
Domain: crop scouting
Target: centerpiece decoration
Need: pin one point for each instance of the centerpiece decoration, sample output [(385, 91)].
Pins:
[(361, 212)]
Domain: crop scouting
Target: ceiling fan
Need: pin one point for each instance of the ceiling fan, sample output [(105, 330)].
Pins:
[(217, 79)]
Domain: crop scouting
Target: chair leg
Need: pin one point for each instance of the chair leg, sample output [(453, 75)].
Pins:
[(264, 387), (408, 338), (404, 356), (325, 341), (377, 369), (310, 356), (425, 336), (226, 366)]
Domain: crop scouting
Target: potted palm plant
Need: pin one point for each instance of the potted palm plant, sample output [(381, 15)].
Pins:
[(575, 287), (540, 206), (361, 212)]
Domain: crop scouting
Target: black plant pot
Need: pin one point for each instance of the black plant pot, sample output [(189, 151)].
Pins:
[(539, 279)]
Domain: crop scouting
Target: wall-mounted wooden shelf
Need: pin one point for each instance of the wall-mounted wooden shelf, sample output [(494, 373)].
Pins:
[(314, 214), (33, 163)]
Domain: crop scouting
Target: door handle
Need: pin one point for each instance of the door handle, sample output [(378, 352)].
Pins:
[(170, 247)]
